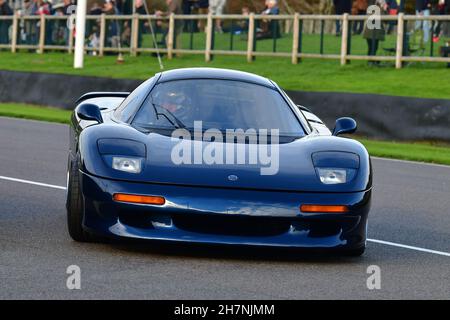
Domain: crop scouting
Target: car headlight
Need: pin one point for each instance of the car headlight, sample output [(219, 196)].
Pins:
[(335, 167), (123, 154), (127, 164), (334, 175)]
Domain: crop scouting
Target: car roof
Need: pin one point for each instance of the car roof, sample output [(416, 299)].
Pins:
[(214, 73)]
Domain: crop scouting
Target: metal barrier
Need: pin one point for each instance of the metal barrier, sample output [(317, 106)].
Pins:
[(290, 36)]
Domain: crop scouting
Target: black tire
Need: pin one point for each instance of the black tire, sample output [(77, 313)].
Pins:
[(75, 207), (355, 252)]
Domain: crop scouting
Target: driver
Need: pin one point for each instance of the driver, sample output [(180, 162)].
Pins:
[(176, 102)]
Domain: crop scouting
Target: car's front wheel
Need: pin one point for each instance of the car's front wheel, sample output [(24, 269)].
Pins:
[(75, 206)]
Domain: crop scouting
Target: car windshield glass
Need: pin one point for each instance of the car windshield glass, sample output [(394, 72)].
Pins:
[(218, 104)]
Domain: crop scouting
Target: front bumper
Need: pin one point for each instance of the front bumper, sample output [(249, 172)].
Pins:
[(224, 216)]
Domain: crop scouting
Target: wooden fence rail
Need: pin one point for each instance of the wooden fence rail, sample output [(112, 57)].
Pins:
[(296, 25)]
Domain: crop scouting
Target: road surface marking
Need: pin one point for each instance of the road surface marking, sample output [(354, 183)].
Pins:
[(413, 162), (441, 253), (33, 183), (393, 244)]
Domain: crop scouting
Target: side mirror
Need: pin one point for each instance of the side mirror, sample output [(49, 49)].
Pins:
[(344, 125), (90, 112)]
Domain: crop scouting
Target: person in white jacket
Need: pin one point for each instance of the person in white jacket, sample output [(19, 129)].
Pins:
[(216, 8)]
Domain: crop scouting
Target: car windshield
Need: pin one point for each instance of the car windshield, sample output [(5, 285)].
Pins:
[(218, 104)]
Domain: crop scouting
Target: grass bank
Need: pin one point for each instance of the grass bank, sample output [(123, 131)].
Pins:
[(16, 110), (418, 80)]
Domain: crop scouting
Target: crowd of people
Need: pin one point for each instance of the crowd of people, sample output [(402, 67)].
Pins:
[(423, 28), (118, 32)]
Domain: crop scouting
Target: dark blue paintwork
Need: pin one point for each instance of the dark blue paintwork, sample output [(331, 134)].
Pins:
[(205, 193), (213, 73)]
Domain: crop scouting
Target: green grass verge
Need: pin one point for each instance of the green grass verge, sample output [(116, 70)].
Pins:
[(425, 152), (25, 111), (429, 80)]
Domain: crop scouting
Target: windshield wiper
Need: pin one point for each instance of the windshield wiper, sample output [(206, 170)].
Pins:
[(167, 114)]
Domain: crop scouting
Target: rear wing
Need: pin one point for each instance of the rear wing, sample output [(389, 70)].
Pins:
[(91, 95)]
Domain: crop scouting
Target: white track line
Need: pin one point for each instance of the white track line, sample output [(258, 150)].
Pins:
[(441, 253), (413, 162), (33, 183)]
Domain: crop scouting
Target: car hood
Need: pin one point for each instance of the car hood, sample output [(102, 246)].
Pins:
[(292, 170), (285, 166)]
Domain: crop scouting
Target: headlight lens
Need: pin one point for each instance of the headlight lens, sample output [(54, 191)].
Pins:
[(335, 175), (127, 164)]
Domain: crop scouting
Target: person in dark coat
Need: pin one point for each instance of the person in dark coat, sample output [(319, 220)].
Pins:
[(341, 7), (5, 10), (374, 34)]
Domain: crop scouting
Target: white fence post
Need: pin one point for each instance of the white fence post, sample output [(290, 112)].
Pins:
[(209, 35), (80, 26), (170, 36), (399, 48), (134, 34), (251, 37), (344, 42), (41, 34), (102, 35), (295, 38), (15, 25)]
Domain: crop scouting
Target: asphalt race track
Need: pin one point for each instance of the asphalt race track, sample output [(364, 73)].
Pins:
[(411, 212)]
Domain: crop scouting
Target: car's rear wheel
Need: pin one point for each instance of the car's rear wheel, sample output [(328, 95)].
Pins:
[(75, 207)]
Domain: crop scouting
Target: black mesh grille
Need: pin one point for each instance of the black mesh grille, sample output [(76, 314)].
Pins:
[(232, 225)]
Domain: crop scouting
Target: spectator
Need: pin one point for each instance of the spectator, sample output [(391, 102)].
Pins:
[(92, 26), (216, 8), (341, 7), (140, 9), (359, 8), (5, 10), (189, 7), (174, 7), (374, 34), (59, 30), (95, 10), (271, 7), (94, 40), (112, 27), (44, 8), (423, 10), (29, 32), (67, 9), (203, 8), (269, 28), (442, 8), (34, 7), (393, 7), (119, 6), (126, 34), (186, 6), (243, 24)]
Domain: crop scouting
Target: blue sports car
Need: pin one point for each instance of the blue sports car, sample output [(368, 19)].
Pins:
[(215, 156)]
